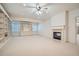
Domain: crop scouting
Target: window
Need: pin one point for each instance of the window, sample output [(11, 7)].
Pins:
[(15, 25), (34, 27)]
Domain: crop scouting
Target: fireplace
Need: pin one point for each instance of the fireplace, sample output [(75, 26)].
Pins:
[(57, 35)]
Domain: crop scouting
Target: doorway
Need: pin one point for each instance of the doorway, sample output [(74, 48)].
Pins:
[(77, 30)]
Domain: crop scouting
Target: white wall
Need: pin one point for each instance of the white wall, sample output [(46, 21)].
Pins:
[(46, 27), (35, 28), (72, 29), (58, 19)]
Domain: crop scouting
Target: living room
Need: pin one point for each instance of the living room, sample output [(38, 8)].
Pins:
[(39, 29)]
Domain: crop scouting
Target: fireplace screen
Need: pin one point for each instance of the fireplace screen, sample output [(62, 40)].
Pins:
[(57, 35)]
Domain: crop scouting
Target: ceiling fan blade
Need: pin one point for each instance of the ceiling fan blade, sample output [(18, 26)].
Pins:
[(45, 8), (37, 3), (30, 6), (46, 5)]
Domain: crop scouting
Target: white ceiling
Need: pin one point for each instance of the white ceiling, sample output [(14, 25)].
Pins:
[(18, 10)]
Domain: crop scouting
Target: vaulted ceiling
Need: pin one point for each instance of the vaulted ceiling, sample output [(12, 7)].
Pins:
[(18, 10)]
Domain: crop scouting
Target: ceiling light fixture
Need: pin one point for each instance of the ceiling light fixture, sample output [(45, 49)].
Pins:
[(38, 8), (24, 4), (38, 12)]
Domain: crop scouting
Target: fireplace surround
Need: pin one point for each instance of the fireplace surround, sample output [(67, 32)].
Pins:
[(58, 33)]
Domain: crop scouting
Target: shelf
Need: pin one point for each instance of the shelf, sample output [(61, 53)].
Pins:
[(1, 23), (3, 27), (2, 15), (3, 33), (1, 38), (58, 27)]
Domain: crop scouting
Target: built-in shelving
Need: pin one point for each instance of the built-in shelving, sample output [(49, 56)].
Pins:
[(3, 29)]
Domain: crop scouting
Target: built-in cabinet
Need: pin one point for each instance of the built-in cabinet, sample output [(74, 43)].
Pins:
[(3, 29)]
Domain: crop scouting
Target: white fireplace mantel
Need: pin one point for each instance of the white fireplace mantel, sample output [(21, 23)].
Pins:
[(57, 27)]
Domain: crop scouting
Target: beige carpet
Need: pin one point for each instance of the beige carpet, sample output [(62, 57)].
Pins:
[(37, 46)]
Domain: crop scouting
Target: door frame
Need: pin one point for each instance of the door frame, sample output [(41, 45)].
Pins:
[(76, 18)]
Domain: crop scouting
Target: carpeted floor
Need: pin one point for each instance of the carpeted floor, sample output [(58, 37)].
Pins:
[(37, 46)]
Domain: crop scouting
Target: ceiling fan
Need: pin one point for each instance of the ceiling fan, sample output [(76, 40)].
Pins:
[(39, 7)]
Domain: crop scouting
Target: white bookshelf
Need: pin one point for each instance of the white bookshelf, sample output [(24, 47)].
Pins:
[(3, 29)]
